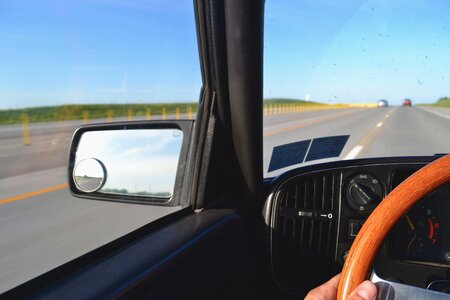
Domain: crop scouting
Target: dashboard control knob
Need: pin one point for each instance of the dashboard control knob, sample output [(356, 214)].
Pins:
[(364, 192)]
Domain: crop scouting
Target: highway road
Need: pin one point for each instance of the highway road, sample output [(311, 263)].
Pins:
[(42, 226), (374, 132)]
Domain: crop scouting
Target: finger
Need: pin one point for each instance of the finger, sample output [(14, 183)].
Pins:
[(365, 291), (326, 291)]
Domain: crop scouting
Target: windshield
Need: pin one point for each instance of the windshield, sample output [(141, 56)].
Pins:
[(350, 79), (375, 71)]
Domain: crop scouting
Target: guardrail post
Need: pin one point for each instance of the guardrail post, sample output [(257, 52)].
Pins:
[(109, 115), (164, 113), (130, 114), (189, 112), (26, 129), (177, 113), (148, 114), (85, 117)]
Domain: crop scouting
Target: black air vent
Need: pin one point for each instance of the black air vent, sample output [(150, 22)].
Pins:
[(307, 215), (305, 230)]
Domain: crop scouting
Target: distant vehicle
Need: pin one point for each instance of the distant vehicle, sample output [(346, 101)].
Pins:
[(382, 103), (407, 102)]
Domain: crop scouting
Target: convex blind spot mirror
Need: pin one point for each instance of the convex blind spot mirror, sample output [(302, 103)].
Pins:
[(89, 175), (127, 162)]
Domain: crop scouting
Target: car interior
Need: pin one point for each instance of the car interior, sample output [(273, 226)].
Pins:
[(242, 236)]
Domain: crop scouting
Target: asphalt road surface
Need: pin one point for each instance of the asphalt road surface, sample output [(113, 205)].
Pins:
[(374, 132), (42, 226)]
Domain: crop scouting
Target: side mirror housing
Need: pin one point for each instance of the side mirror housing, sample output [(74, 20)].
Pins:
[(139, 162)]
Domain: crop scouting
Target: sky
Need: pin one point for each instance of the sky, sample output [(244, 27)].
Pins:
[(357, 51), (143, 51), (97, 51)]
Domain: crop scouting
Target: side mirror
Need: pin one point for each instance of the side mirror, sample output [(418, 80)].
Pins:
[(140, 162)]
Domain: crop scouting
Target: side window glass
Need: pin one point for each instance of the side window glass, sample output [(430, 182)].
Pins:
[(68, 63)]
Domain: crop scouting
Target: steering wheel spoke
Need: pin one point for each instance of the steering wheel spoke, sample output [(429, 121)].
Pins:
[(394, 291)]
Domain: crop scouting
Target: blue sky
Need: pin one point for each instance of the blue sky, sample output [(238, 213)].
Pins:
[(357, 51), (97, 51), (111, 51)]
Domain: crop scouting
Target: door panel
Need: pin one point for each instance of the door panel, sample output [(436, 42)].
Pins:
[(200, 256)]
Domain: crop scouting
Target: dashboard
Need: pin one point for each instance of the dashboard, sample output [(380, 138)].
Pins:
[(314, 213), (421, 236)]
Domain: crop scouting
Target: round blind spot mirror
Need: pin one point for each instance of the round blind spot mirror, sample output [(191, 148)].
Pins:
[(89, 175)]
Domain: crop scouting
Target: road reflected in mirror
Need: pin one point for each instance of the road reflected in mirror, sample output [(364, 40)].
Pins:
[(139, 162)]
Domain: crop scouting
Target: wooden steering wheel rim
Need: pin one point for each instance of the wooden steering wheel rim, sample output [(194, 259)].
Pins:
[(383, 218)]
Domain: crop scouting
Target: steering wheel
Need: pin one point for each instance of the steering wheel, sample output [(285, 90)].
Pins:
[(359, 261)]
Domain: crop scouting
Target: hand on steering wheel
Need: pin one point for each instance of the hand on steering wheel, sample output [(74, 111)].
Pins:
[(328, 291)]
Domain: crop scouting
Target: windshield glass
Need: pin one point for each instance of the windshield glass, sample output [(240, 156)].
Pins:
[(73, 62), (375, 71)]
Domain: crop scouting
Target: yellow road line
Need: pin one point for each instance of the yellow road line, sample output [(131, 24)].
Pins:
[(34, 193)]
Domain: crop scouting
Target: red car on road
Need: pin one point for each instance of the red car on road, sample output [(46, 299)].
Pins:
[(407, 102)]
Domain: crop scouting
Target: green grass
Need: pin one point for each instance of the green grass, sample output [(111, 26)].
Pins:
[(98, 111), (94, 111), (290, 101), (443, 102)]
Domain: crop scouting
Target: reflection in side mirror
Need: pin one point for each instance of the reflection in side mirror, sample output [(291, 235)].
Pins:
[(139, 162), (89, 175)]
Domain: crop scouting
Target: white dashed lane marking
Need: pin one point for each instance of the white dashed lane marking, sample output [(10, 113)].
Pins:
[(355, 151)]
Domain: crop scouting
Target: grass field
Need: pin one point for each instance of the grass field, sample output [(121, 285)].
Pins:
[(92, 111), (290, 101), (443, 102), (97, 111)]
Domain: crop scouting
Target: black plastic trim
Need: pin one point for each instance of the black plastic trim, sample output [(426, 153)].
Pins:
[(349, 164)]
